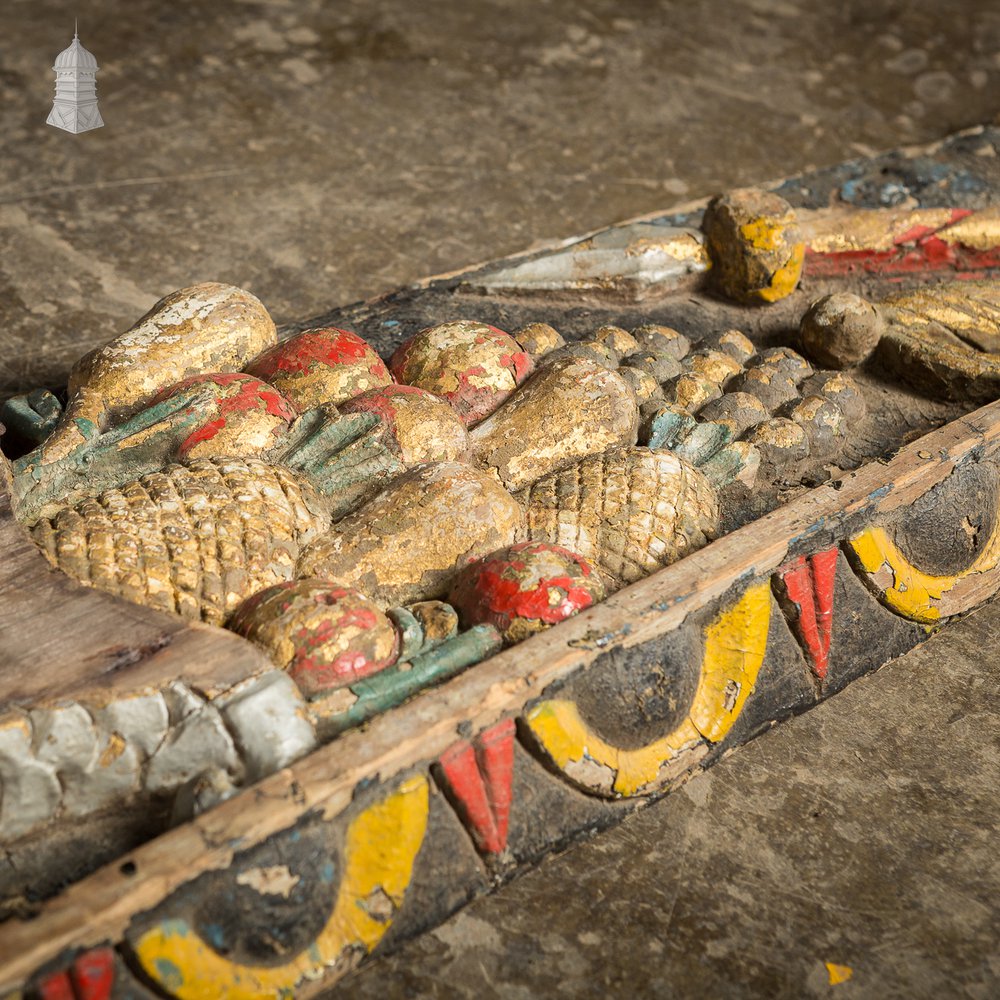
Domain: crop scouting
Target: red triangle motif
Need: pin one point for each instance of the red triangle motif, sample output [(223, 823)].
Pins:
[(477, 777), (807, 583), (90, 977), (93, 974)]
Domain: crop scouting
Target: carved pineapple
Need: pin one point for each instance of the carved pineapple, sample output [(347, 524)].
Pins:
[(630, 511), (193, 539)]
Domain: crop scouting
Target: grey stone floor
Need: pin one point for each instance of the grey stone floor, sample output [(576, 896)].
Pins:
[(322, 152)]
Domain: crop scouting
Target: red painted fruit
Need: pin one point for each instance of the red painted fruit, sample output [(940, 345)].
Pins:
[(326, 636), (525, 588), (423, 425), (245, 417), (473, 365), (325, 365)]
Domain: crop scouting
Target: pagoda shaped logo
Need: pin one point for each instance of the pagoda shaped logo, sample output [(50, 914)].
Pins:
[(75, 106)]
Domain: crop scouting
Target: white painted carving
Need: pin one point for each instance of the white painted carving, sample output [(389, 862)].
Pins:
[(30, 789), (267, 717), (195, 744), (636, 259)]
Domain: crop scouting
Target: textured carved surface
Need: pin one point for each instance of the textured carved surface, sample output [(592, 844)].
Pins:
[(743, 668), (630, 512), (193, 539)]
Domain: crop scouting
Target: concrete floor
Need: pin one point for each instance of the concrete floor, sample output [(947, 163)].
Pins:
[(318, 153)]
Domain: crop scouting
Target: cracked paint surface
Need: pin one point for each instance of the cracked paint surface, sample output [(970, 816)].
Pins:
[(734, 646), (380, 847), (907, 589)]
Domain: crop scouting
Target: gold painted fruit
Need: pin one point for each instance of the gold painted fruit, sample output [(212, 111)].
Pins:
[(424, 426), (194, 539), (628, 511), (472, 365), (525, 588), (209, 327), (408, 542), (325, 365), (325, 635), (569, 408)]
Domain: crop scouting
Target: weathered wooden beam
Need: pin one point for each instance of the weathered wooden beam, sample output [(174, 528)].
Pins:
[(102, 907)]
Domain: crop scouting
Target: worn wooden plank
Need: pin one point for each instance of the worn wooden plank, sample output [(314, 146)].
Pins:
[(100, 907), (59, 640)]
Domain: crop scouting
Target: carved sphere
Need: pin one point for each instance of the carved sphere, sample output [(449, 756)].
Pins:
[(525, 588), (472, 365), (784, 359), (620, 341), (325, 365), (326, 636), (772, 385), (824, 424), (588, 350), (739, 411), (839, 388), (643, 384), (663, 341), (538, 339), (780, 441), (840, 330), (737, 345), (716, 366), (245, 417), (424, 426)]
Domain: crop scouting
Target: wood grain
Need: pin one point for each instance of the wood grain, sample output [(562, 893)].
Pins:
[(61, 640), (100, 907)]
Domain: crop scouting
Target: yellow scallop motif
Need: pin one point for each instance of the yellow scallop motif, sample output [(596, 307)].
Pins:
[(380, 846), (915, 594), (734, 647)]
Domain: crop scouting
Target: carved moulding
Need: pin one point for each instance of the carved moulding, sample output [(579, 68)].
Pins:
[(344, 843)]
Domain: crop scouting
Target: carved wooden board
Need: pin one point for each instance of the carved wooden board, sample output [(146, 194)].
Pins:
[(338, 847)]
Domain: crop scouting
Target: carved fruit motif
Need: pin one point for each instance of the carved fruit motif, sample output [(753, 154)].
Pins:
[(194, 539), (629, 511), (472, 365), (408, 542), (326, 365), (569, 408), (204, 328), (755, 244), (326, 636), (525, 588), (423, 425), (245, 417)]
